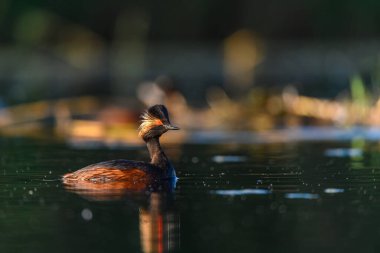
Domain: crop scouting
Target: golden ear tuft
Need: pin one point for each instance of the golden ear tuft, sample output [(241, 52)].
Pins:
[(148, 121)]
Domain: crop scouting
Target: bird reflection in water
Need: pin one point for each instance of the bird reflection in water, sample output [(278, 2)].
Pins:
[(159, 223), (159, 226)]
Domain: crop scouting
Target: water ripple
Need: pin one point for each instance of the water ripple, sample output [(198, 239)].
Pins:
[(242, 192), (301, 195)]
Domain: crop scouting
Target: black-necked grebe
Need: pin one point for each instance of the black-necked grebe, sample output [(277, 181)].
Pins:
[(126, 174)]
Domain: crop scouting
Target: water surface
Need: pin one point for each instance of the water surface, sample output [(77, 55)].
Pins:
[(263, 197)]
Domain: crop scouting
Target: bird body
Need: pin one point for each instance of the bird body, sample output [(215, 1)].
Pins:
[(129, 174)]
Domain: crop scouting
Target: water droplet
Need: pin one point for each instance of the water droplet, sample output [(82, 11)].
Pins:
[(86, 214), (282, 209), (195, 159)]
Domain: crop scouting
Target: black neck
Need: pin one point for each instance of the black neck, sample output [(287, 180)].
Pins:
[(157, 155)]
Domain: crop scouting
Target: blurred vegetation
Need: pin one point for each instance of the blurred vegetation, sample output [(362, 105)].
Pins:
[(208, 19), (88, 68), (55, 49)]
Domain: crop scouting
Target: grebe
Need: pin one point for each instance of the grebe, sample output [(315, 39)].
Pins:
[(125, 174)]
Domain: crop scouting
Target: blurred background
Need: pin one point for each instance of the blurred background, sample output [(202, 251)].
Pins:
[(84, 70)]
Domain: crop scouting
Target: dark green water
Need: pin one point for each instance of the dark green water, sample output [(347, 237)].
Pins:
[(292, 197)]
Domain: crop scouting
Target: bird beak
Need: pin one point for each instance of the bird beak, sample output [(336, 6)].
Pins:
[(170, 127)]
